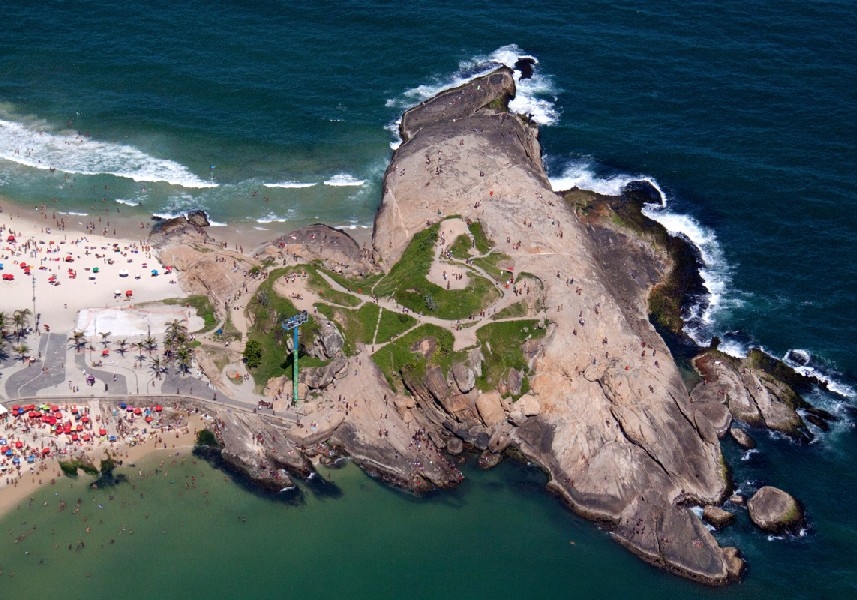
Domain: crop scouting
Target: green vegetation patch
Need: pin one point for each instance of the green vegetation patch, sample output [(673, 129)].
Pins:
[(501, 346), (408, 285), (203, 307), (401, 356), (460, 248), (518, 309), (483, 244), (325, 291), (495, 265), (355, 325), (392, 324), (361, 285), (266, 311)]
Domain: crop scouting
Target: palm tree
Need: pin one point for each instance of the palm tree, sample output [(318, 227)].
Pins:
[(150, 343), (122, 346), (21, 320), (105, 342), (155, 366), (141, 346), (22, 350), (184, 356), (78, 338), (175, 334), (4, 324)]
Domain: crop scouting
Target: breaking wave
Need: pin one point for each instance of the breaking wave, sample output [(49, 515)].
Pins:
[(535, 95), (40, 148)]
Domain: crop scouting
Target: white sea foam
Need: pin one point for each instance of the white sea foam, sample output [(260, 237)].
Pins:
[(127, 202), (289, 184), (271, 218), (344, 180), (535, 96), (715, 272), (802, 361), (580, 173), (40, 148), (76, 214)]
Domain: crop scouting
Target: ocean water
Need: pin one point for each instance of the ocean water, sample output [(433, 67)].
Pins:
[(274, 116)]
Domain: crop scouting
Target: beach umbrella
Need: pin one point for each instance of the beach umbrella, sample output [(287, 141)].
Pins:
[(130, 409), (55, 408), (31, 459), (74, 437), (9, 452), (112, 438), (16, 407), (149, 419), (123, 405), (128, 293), (34, 414), (84, 419), (44, 407), (30, 407), (159, 408), (5, 448), (46, 451), (19, 444), (102, 432), (137, 411), (123, 273), (79, 428), (16, 461)]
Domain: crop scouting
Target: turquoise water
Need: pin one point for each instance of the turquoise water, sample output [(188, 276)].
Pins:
[(741, 113)]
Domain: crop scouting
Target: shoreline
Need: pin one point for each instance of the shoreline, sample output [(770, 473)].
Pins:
[(48, 472)]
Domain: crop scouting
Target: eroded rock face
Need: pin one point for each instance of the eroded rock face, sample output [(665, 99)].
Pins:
[(773, 510)]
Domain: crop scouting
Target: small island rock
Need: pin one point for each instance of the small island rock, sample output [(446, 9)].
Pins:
[(773, 510), (742, 438), (716, 516)]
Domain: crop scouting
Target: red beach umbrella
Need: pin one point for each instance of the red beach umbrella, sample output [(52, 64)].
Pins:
[(19, 444), (159, 408), (84, 419), (16, 407), (138, 411), (46, 451), (55, 408), (79, 428), (74, 437), (102, 432)]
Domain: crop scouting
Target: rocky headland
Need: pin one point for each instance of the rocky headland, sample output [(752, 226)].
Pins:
[(495, 316)]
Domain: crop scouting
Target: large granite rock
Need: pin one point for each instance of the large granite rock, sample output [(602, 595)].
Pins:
[(773, 510), (716, 516), (490, 409), (615, 427)]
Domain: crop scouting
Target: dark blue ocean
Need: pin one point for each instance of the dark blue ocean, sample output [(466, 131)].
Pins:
[(272, 115)]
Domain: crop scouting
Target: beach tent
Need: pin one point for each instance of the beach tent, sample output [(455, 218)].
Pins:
[(123, 273), (3, 410)]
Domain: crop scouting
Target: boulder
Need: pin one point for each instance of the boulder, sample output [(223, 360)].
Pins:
[(528, 405), (464, 376), (773, 510), (321, 377), (331, 341), (716, 516), (490, 409), (737, 500), (514, 381), (488, 460), (742, 438), (499, 441), (734, 563), (454, 446)]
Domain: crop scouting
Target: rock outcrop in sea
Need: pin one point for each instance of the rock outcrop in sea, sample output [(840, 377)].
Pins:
[(597, 399)]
